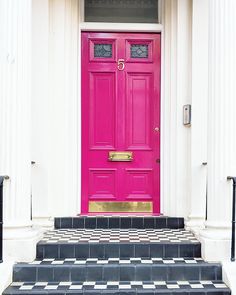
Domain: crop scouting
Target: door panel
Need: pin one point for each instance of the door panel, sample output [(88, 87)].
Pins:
[(120, 111), (102, 115)]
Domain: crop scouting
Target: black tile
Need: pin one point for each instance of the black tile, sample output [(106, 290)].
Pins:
[(173, 222), (159, 272), (126, 250), (125, 222), (94, 273), (114, 222), (181, 222), (45, 274), (62, 273), (160, 222), (142, 250), (57, 222), (111, 273), (78, 273), (112, 250), (208, 272), (102, 222), (82, 250), (143, 273), (40, 251), (78, 222), (23, 273), (218, 273), (186, 250), (137, 222), (148, 222), (197, 250), (127, 273), (67, 251), (51, 251), (176, 273), (90, 222), (97, 250), (192, 273), (66, 222), (146, 292), (171, 250), (156, 250)]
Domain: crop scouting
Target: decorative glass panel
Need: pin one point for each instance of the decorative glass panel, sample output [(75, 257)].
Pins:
[(121, 11), (139, 51), (102, 50)]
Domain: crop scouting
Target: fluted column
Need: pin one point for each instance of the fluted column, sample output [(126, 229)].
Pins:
[(221, 127), (15, 127)]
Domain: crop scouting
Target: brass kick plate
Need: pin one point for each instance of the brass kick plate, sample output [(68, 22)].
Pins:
[(120, 207), (120, 156)]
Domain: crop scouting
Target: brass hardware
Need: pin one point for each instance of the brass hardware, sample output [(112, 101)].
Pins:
[(121, 64), (157, 129), (120, 207), (120, 156)]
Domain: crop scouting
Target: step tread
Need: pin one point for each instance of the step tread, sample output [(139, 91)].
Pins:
[(109, 261), (73, 236), (117, 285)]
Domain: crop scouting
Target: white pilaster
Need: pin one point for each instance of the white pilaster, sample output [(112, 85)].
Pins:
[(176, 92), (221, 128), (198, 180), (15, 125)]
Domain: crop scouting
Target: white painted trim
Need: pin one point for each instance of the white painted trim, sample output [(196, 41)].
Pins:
[(120, 27)]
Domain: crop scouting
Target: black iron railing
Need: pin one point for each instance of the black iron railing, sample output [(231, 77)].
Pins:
[(233, 218), (1, 214)]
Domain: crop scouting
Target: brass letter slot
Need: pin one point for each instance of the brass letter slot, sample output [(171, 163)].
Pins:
[(120, 156)]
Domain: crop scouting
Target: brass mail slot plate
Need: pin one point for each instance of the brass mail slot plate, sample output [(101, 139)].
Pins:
[(135, 207), (120, 156)]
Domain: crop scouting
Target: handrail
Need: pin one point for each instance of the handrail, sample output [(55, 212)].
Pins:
[(233, 218), (2, 178)]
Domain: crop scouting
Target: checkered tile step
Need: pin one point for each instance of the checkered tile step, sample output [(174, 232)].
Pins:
[(119, 236), (74, 261), (115, 285)]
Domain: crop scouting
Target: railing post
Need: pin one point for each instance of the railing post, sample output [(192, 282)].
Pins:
[(1, 215), (233, 218)]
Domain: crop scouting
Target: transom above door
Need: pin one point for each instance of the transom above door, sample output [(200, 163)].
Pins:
[(120, 122)]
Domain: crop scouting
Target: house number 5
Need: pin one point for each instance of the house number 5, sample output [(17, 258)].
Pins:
[(121, 64)]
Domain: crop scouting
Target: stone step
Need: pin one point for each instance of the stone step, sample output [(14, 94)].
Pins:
[(116, 270), (106, 222), (126, 243), (120, 288)]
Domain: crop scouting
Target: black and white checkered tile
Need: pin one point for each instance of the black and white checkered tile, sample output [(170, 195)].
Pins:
[(74, 261), (118, 285), (119, 236)]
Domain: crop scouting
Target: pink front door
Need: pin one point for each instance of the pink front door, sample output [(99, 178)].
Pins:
[(120, 122)]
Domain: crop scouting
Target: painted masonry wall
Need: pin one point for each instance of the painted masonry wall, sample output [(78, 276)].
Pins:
[(56, 107)]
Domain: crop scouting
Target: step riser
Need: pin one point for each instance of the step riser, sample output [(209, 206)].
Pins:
[(130, 250), (116, 273), (119, 222)]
